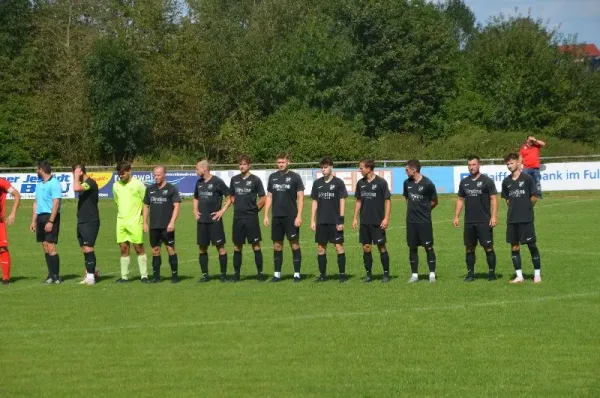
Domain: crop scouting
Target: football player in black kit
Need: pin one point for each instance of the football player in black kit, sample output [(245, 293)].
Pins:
[(421, 198), (477, 194), (374, 205), (327, 218), (244, 189), (161, 204), (285, 194), (88, 220), (519, 190), (208, 198)]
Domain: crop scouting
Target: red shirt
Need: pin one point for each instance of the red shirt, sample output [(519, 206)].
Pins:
[(4, 187), (531, 156)]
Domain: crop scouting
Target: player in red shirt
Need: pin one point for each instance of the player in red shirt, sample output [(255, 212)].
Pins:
[(529, 157), (6, 188)]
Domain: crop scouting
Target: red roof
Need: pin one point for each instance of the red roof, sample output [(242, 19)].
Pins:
[(588, 50)]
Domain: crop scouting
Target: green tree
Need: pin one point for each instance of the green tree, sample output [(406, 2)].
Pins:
[(117, 100)]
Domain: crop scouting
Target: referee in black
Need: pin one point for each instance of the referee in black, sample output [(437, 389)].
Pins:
[(373, 203), (161, 204), (244, 189)]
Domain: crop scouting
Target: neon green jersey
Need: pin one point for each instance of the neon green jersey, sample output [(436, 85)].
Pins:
[(129, 199)]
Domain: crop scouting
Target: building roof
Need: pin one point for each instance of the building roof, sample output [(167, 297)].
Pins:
[(587, 50)]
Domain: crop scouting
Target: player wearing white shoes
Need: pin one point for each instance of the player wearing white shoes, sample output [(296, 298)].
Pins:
[(519, 190), (88, 219), (421, 199)]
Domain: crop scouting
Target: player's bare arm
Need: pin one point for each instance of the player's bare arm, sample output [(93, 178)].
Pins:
[(300, 199), (460, 203), (313, 215), (357, 206), (533, 200), (388, 212), (261, 202), (195, 209), (217, 215), (176, 208), (16, 202), (145, 212), (494, 205), (340, 225), (33, 217), (77, 185), (434, 203), (268, 204), (53, 215)]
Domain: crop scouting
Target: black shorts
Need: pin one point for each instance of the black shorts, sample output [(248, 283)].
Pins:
[(159, 236), (87, 232), (371, 234), (284, 226), (211, 233), (520, 233), (328, 233), (419, 234), (246, 230), (478, 232), (43, 236)]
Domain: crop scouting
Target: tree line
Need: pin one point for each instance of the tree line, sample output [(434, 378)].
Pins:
[(172, 80)]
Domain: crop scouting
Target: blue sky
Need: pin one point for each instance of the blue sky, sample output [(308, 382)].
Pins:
[(581, 17)]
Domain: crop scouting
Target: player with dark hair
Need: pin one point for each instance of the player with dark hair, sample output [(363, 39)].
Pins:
[(45, 221), (6, 189), (374, 205), (421, 198), (128, 193), (208, 198), (520, 193), (88, 219), (285, 193), (327, 218), (244, 189), (161, 205), (477, 194)]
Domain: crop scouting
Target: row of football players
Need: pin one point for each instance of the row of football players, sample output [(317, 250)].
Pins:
[(155, 209)]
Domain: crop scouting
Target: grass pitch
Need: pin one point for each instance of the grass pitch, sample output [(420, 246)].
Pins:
[(307, 339)]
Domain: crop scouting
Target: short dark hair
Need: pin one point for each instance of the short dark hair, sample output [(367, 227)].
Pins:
[(326, 161), (283, 155), (414, 164), (244, 158), (79, 165), (474, 157), (123, 165), (370, 163), (45, 166), (511, 156)]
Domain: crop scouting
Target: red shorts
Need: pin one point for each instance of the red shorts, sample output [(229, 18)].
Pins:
[(3, 235)]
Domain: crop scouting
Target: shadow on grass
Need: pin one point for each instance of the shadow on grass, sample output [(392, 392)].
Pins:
[(22, 278)]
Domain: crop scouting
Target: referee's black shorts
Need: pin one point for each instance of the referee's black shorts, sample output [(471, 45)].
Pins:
[(246, 229), (41, 234)]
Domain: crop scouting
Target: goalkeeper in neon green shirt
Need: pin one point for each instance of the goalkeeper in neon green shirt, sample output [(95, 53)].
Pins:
[(129, 194)]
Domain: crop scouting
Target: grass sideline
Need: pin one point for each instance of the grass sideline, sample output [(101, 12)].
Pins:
[(307, 339)]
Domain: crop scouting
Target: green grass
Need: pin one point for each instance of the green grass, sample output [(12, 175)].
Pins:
[(307, 339)]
